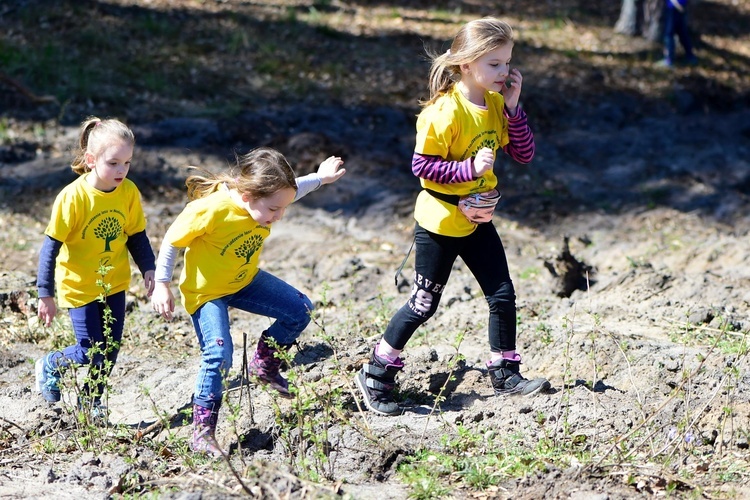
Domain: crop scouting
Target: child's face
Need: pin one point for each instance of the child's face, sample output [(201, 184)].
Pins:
[(490, 71), (110, 167), (268, 210)]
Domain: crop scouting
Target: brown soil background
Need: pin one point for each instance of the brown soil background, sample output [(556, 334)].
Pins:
[(644, 172)]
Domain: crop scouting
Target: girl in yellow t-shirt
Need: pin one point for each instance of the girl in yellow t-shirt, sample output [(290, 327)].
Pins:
[(96, 220), (223, 229), (473, 112)]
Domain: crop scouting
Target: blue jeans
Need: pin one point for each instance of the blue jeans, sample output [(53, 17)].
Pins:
[(88, 326), (676, 23), (266, 295)]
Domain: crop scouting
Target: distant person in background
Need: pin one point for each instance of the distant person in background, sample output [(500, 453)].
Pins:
[(96, 220), (473, 113), (676, 25), (222, 230)]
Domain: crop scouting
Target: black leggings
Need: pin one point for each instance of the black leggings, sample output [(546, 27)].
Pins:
[(484, 255)]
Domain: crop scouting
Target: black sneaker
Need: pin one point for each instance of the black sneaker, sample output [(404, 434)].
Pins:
[(506, 379), (376, 380)]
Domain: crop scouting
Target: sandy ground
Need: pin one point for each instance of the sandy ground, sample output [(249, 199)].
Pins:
[(659, 235)]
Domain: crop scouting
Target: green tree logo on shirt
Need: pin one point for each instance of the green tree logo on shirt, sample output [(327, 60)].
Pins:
[(109, 229), (487, 143), (248, 248)]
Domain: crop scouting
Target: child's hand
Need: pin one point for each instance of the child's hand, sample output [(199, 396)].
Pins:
[(148, 282), (329, 171), (47, 310), (162, 299), (513, 93), (483, 161)]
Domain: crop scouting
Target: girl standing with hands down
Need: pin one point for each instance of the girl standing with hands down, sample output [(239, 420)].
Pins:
[(473, 112), (223, 229), (96, 220)]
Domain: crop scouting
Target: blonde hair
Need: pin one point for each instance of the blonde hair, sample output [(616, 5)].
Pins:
[(475, 39), (259, 173), (95, 135)]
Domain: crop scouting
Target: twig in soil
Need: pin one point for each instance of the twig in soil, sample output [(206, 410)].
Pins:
[(655, 293), (661, 474), (439, 398), (244, 378), (350, 387), (699, 414), (709, 328), (31, 96), (12, 424), (217, 484), (234, 471), (157, 426), (653, 415)]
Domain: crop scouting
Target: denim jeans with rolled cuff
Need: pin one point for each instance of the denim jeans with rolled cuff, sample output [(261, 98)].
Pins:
[(266, 295)]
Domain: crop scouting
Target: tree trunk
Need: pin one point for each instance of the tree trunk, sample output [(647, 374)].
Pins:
[(628, 23), (653, 29), (641, 17)]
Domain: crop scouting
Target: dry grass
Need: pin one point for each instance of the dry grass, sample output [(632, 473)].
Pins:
[(164, 58)]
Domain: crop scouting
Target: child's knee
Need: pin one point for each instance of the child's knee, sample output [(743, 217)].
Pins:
[(303, 313), (503, 297), (226, 358), (423, 302)]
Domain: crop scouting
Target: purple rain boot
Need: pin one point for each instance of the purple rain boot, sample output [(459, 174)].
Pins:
[(265, 366), (204, 431)]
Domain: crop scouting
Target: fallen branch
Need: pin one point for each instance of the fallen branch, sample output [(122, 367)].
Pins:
[(31, 96), (160, 424), (705, 328)]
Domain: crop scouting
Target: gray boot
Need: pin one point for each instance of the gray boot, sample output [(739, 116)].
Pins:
[(506, 379), (376, 380)]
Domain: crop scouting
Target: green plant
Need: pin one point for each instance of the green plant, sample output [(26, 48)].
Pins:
[(636, 262), (316, 407), (727, 336), (474, 461), (50, 446), (453, 363), (92, 390), (529, 273), (545, 333), (422, 474), (670, 444)]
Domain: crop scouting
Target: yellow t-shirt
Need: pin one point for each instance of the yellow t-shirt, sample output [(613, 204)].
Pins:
[(94, 227), (223, 245), (455, 129)]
